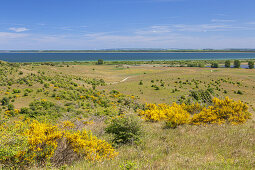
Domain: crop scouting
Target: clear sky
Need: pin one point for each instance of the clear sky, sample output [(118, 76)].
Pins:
[(102, 24)]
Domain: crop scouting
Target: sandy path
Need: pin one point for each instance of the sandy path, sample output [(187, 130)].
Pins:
[(120, 81)]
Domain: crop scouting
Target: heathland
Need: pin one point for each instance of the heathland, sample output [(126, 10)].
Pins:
[(127, 115)]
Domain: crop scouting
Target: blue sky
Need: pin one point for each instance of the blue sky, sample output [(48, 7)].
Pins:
[(102, 24)]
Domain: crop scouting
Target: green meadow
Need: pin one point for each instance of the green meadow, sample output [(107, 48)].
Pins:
[(89, 97)]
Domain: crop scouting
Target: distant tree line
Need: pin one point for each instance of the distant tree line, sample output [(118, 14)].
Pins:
[(237, 64)]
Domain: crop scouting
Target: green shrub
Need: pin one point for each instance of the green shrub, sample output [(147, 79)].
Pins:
[(156, 87), (141, 82), (128, 165), (46, 85), (126, 129), (16, 91), (10, 107), (239, 92), (5, 101), (204, 96)]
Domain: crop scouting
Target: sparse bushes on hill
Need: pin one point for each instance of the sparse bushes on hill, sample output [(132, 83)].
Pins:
[(42, 108)]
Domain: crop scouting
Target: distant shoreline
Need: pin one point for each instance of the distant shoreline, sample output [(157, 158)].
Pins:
[(135, 52)]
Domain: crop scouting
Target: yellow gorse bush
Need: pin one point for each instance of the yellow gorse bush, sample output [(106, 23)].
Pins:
[(222, 111), (92, 148), (67, 124), (31, 142), (155, 112), (175, 114)]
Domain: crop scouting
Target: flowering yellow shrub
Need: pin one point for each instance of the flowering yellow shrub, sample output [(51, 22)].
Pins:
[(174, 115), (154, 112), (87, 145), (26, 143), (11, 113), (67, 124), (42, 140), (223, 111)]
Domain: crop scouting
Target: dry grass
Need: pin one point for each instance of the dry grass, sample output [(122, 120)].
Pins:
[(187, 147)]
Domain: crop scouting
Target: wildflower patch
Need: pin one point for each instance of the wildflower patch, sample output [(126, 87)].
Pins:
[(221, 111), (27, 143)]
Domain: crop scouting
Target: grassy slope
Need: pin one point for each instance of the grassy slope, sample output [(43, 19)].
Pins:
[(187, 147)]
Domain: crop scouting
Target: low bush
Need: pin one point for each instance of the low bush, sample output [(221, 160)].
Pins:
[(5, 101), (202, 96), (126, 129), (239, 92)]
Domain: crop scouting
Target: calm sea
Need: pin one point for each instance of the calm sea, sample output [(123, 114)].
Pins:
[(51, 57)]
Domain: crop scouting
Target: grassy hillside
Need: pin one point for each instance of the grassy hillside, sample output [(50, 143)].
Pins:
[(90, 96)]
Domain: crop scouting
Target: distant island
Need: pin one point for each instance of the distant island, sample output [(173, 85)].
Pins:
[(127, 50)]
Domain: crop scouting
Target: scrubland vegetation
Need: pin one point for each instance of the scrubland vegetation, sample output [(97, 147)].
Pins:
[(115, 115)]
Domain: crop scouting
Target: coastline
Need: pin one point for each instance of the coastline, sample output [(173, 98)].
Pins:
[(123, 52)]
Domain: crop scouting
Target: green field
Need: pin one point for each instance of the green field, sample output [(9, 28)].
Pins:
[(85, 93)]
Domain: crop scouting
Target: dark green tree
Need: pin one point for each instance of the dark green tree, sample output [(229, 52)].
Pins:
[(227, 64), (215, 65), (237, 63), (100, 62), (251, 64)]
